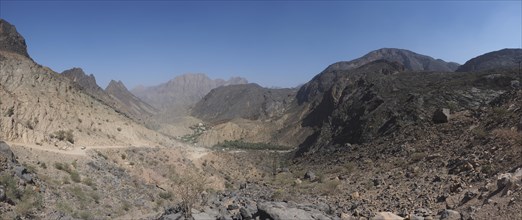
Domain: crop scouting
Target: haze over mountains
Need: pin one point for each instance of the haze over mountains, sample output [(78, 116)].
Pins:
[(179, 94)]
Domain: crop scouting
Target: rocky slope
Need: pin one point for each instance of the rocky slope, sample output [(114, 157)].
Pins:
[(505, 58), (179, 94), (380, 98), (41, 106)]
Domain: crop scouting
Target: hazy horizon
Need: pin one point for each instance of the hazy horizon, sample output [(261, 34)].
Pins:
[(274, 44)]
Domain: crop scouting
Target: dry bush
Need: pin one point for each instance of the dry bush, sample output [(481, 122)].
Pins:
[(508, 134), (190, 186)]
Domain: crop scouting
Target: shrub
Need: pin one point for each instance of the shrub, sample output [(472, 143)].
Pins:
[(165, 195), (75, 176), (88, 181), (59, 166), (64, 135), (190, 186), (10, 112), (119, 129)]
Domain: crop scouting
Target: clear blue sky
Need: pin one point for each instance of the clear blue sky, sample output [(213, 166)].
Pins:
[(268, 42)]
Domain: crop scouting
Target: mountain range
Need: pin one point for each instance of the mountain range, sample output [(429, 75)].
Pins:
[(390, 135)]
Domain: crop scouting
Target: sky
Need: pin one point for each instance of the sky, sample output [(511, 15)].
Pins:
[(272, 43)]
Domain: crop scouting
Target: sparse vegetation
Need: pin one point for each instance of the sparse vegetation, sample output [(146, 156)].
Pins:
[(190, 186), (26, 199), (62, 135), (197, 131), (75, 176)]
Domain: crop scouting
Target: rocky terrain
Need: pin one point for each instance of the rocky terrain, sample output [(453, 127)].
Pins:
[(381, 139)]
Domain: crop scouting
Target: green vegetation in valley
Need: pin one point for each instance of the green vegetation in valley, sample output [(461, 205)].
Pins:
[(239, 144)]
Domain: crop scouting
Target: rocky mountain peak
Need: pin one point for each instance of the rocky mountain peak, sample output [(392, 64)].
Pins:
[(81, 78), (115, 85), (11, 40)]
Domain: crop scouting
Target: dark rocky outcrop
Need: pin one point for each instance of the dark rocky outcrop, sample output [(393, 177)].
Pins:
[(11, 40), (248, 101), (505, 58), (87, 82), (441, 115)]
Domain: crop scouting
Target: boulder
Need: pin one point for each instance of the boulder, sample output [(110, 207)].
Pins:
[(507, 181), (441, 116), (283, 211), (6, 154), (2, 194), (309, 175), (245, 214), (23, 173), (386, 216), (449, 214)]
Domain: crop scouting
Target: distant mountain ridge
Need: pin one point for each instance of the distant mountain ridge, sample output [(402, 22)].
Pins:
[(505, 58), (411, 61), (179, 94)]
